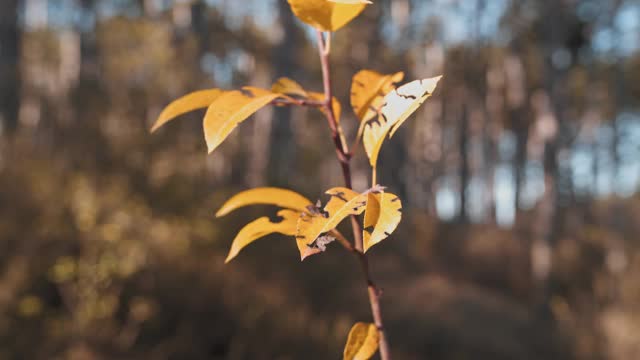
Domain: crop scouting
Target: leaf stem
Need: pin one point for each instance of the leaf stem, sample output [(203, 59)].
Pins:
[(344, 158), (374, 176), (342, 240)]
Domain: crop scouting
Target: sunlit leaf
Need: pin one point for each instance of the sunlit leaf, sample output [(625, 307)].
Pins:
[(285, 224), (315, 222), (371, 215), (381, 218), (265, 196), (362, 342), (325, 15), (368, 89), (287, 86), (397, 106), (190, 102), (230, 109), (428, 85)]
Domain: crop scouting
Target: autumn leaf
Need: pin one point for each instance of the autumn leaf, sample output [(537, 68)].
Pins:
[(293, 203), (397, 106), (190, 102), (382, 216), (286, 224), (392, 111), (316, 222), (230, 109), (265, 196), (368, 89), (325, 15), (287, 86), (362, 342), (371, 216)]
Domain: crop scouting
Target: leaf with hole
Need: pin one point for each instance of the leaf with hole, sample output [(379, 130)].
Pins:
[(381, 218), (230, 109), (368, 89), (325, 15), (362, 342), (190, 102), (283, 198), (397, 106), (315, 221)]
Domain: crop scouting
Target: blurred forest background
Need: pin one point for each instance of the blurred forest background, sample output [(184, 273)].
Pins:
[(520, 182)]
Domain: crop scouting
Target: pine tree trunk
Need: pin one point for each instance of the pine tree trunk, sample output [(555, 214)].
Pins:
[(9, 65)]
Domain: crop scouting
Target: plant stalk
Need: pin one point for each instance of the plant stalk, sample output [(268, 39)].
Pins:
[(344, 158)]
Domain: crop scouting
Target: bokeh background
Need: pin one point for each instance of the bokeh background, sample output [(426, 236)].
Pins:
[(519, 179)]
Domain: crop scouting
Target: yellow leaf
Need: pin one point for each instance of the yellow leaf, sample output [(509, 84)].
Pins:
[(381, 218), (368, 89), (190, 102), (325, 15), (265, 196), (287, 86), (429, 85), (362, 342), (371, 215), (263, 227), (230, 109), (313, 224), (397, 106)]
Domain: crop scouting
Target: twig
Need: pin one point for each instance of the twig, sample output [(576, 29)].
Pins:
[(343, 156), (299, 102), (342, 240)]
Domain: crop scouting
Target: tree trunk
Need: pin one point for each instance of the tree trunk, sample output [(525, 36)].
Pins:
[(9, 66), (282, 158), (463, 142)]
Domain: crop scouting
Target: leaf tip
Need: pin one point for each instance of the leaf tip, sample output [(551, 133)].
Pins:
[(308, 252), (222, 212), (233, 252), (162, 119), (210, 147), (437, 79), (304, 255)]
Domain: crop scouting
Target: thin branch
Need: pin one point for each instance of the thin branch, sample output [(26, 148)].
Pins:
[(374, 176), (342, 240), (355, 146), (343, 156), (327, 45), (289, 101)]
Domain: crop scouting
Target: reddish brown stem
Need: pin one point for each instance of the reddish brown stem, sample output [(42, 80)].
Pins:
[(344, 158), (299, 102)]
